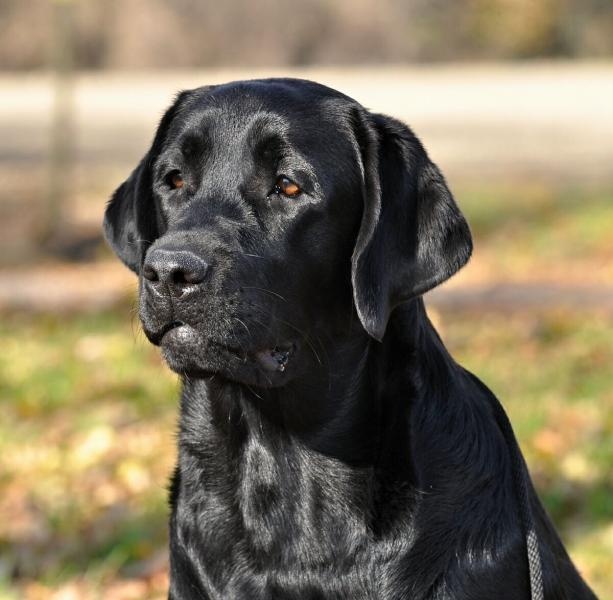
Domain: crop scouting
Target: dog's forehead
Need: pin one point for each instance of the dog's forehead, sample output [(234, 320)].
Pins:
[(282, 95), (292, 109)]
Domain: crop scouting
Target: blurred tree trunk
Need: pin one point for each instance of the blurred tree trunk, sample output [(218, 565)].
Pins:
[(61, 156)]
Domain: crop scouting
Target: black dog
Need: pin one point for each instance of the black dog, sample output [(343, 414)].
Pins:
[(329, 445)]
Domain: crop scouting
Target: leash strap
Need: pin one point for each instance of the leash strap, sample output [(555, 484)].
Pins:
[(534, 564), (520, 475), (532, 545)]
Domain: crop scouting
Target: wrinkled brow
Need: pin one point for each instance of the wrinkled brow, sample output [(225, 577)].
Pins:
[(195, 143), (272, 146), (267, 132)]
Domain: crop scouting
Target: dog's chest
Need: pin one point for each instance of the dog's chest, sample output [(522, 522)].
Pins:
[(285, 519), (270, 518), (300, 507)]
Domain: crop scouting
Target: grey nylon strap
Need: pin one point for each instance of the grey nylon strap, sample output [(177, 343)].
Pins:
[(520, 476), (532, 545)]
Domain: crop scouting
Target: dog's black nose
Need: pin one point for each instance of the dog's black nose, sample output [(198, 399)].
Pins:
[(177, 270)]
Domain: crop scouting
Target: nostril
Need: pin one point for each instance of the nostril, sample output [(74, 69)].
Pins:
[(193, 276), (150, 273), (190, 276)]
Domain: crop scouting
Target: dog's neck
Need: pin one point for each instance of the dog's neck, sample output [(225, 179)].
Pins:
[(353, 411), (337, 448)]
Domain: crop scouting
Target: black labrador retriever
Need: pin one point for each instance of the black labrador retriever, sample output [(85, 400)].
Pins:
[(329, 446)]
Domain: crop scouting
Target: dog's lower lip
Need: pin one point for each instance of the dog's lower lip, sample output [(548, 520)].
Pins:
[(277, 358), (159, 336)]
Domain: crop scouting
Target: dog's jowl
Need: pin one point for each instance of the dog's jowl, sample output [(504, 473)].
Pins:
[(329, 446)]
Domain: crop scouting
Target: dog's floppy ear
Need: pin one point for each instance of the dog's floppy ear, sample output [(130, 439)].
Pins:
[(413, 235), (131, 221)]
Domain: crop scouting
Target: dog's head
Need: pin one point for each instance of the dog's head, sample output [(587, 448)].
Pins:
[(266, 214)]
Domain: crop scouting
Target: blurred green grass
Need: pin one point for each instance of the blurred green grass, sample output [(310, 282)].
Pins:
[(87, 447), (541, 230), (539, 206), (551, 371), (89, 409)]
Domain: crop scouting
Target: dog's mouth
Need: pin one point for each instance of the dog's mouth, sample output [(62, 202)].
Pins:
[(277, 358), (156, 337), (178, 337)]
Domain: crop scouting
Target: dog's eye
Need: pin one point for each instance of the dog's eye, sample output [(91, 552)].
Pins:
[(284, 185), (175, 180)]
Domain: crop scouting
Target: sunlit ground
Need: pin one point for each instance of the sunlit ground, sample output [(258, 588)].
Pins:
[(89, 410)]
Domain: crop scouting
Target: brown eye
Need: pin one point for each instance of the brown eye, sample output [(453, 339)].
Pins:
[(175, 180), (287, 187)]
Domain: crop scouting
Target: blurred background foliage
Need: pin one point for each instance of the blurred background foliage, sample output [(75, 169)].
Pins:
[(195, 34), (513, 99)]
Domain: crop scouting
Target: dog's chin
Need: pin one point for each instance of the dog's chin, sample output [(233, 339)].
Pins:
[(189, 353)]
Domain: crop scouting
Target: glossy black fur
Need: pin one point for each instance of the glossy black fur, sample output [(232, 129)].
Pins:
[(373, 466)]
